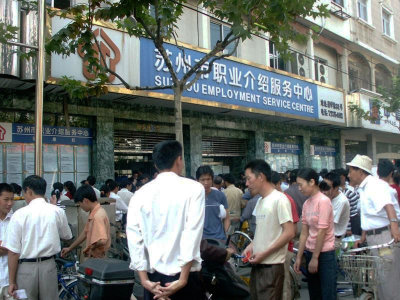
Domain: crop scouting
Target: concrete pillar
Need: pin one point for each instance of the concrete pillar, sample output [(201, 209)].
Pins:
[(103, 149), (344, 67), (305, 157), (259, 144), (310, 53), (372, 67), (195, 146), (341, 157), (371, 148)]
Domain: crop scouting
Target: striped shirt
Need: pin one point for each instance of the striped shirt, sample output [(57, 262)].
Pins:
[(353, 198)]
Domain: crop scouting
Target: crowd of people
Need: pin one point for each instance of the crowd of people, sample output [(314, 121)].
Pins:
[(168, 218)]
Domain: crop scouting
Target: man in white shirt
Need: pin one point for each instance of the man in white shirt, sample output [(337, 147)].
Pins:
[(379, 221), (6, 203), (92, 181), (120, 206), (165, 227), (267, 252), (125, 192), (33, 238), (340, 204)]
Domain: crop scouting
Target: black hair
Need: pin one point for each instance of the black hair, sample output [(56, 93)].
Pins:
[(217, 180), (323, 186), (229, 178), (334, 177), (396, 177), (124, 183), (71, 188), (108, 181), (57, 189), (112, 185), (5, 187), (165, 154), (204, 170), (16, 187), (275, 177), (36, 183), (85, 191), (259, 166), (91, 180), (293, 176), (385, 167), (144, 176), (341, 172), (308, 174), (139, 184), (104, 190), (323, 172)]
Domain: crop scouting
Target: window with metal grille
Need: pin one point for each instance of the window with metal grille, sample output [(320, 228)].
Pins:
[(218, 146), (131, 142)]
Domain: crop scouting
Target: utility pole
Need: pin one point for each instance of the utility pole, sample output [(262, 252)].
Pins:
[(39, 90)]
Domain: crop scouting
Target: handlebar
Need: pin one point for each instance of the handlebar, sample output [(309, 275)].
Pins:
[(388, 244)]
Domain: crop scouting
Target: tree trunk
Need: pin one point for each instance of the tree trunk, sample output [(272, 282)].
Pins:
[(178, 122)]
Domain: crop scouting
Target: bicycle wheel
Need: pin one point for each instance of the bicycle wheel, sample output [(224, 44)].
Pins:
[(67, 292), (239, 241)]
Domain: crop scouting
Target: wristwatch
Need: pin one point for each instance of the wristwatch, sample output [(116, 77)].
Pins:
[(394, 220)]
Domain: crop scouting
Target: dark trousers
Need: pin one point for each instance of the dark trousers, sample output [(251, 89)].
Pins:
[(266, 282), (322, 285), (355, 223), (192, 291)]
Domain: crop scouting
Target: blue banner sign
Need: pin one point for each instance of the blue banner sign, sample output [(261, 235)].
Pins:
[(25, 133), (283, 148), (324, 151), (230, 82)]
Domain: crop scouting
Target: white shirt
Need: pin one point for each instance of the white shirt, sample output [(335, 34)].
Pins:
[(165, 224), (125, 195), (375, 194), (36, 229), (120, 206), (341, 214), (271, 213), (4, 258), (97, 192)]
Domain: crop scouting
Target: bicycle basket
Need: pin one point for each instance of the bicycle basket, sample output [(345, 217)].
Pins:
[(363, 269)]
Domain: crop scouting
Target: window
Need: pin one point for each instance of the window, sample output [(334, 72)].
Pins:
[(339, 2), (362, 6), (275, 60), (218, 32), (386, 22), (62, 4)]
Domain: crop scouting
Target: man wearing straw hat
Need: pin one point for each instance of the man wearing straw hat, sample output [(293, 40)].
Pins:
[(380, 215)]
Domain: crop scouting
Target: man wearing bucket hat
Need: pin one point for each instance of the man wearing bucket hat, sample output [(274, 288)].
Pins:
[(380, 215)]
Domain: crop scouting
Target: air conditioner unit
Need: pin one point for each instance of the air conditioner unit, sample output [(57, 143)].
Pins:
[(323, 73), (302, 65)]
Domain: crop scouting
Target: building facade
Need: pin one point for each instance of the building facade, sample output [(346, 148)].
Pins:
[(252, 105)]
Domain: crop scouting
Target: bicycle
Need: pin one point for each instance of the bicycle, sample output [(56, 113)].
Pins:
[(239, 241), (67, 279)]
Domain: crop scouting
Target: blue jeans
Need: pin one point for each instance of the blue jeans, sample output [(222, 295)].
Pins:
[(322, 285)]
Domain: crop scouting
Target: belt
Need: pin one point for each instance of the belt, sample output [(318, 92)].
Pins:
[(377, 231), (39, 259), (265, 266)]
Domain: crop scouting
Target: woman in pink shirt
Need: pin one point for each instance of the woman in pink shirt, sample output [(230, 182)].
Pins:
[(317, 240)]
